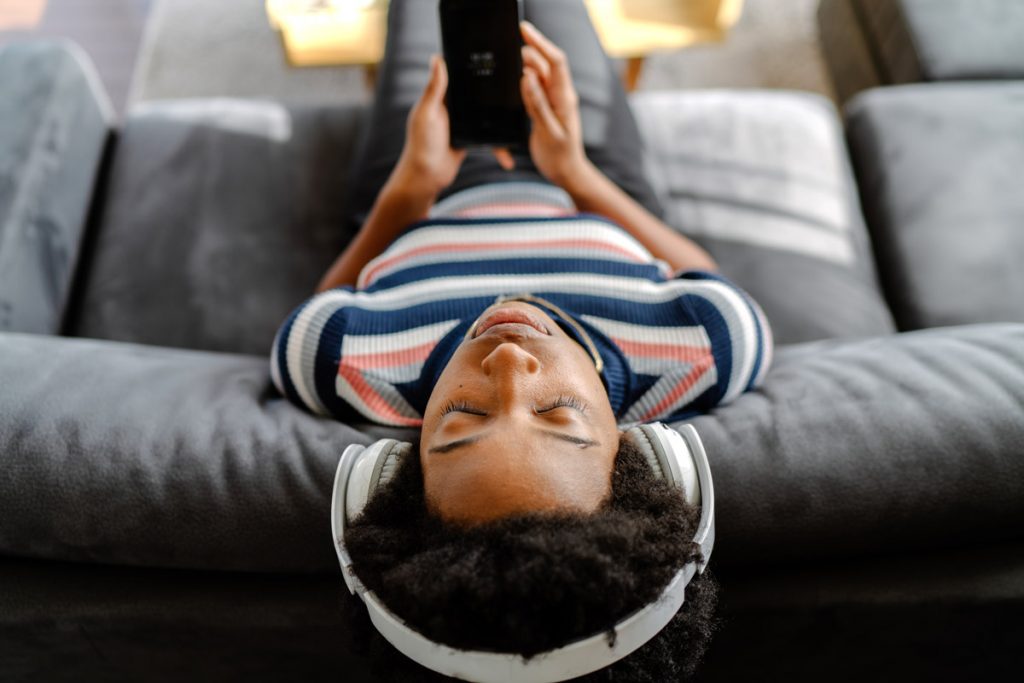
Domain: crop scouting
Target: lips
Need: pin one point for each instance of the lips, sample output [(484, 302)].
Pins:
[(505, 316)]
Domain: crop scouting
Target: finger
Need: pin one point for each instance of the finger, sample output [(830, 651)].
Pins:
[(537, 105), (504, 158), (438, 83), (549, 51), (533, 59)]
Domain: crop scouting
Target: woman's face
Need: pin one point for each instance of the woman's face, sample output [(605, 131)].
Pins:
[(518, 422)]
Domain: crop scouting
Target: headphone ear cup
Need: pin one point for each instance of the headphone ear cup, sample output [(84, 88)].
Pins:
[(671, 458), (372, 468), (387, 464), (639, 437)]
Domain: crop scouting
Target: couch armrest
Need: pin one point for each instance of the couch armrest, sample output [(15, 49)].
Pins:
[(140, 455), (55, 124), (898, 443)]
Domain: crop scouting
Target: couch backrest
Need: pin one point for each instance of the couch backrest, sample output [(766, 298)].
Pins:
[(762, 180), (219, 217)]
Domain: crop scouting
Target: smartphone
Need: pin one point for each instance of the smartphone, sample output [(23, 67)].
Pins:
[(482, 48)]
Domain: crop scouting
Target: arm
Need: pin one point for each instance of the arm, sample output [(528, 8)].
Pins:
[(402, 201), (556, 147), (426, 166), (592, 191)]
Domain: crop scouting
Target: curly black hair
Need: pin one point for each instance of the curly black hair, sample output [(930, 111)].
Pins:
[(534, 582)]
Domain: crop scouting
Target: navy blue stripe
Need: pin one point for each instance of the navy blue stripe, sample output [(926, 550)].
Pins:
[(484, 222), (663, 314), (282, 356), (325, 367), (759, 350), (517, 266), (364, 321), (721, 342)]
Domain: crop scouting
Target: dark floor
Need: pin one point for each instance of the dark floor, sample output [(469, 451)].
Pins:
[(110, 31)]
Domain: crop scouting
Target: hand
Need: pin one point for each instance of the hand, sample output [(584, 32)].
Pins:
[(428, 157), (556, 141)]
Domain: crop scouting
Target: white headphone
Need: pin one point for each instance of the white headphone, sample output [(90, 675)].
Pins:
[(678, 457)]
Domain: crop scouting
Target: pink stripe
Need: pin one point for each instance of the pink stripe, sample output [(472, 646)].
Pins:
[(700, 367), (488, 246), (376, 403), (513, 209), (682, 352), (389, 359)]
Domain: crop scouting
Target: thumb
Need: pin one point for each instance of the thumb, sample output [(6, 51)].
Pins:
[(504, 158)]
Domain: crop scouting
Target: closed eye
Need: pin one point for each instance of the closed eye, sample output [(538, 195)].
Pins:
[(565, 402), (560, 402), (460, 407)]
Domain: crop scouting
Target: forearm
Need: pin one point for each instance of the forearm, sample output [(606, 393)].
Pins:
[(401, 202), (593, 192)]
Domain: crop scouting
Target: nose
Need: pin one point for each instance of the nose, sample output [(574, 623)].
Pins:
[(510, 358)]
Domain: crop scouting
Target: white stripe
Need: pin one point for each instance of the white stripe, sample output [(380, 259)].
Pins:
[(359, 344), (741, 324), (395, 374), (518, 231), (655, 366), (631, 289), (690, 335), (767, 344), (303, 340), (388, 392), (531, 192), (661, 389), (504, 254)]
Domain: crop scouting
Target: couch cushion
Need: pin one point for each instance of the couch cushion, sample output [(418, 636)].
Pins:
[(55, 123), (887, 445), (959, 39), (871, 42), (940, 174), (221, 216), (128, 454), (761, 179)]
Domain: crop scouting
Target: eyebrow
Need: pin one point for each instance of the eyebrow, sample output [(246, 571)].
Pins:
[(459, 443)]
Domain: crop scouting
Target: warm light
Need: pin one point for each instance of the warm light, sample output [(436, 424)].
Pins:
[(324, 32), (632, 28), (321, 32), (20, 14)]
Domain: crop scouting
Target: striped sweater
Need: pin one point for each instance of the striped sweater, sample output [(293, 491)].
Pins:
[(673, 344)]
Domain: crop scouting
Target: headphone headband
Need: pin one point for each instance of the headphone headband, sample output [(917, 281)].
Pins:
[(676, 456)]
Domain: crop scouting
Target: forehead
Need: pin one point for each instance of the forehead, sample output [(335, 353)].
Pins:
[(499, 476)]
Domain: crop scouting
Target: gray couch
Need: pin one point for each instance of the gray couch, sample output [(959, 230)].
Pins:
[(163, 512)]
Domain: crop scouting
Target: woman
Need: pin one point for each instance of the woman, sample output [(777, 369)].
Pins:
[(519, 308)]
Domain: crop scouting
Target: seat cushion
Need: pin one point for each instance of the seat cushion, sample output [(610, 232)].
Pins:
[(761, 179), (220, 217), (886, 445), (940, 174), (129, 454)]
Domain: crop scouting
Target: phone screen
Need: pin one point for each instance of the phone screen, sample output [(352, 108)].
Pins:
[(482, 50)]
